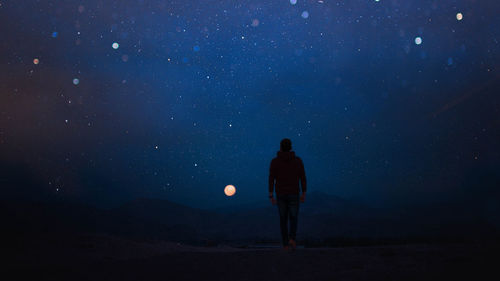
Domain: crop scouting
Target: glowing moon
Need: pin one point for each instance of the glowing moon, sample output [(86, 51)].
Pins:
[(229, 190)]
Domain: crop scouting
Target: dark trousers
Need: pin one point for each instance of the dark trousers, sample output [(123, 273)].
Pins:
[(288, 206)]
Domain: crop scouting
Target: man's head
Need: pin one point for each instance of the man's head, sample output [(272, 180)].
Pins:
[(286, 145)]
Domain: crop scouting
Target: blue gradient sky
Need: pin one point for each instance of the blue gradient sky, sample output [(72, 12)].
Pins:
[(198, 95)]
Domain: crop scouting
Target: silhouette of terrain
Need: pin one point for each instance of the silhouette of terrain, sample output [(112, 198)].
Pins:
[(322, 216), (152, 239), (108, 258)]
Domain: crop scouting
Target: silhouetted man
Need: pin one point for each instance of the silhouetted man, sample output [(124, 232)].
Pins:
[(287, 169)]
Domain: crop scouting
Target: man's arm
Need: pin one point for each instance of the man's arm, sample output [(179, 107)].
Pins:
[(303, 181)]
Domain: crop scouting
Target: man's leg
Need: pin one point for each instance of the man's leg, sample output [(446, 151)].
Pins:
[(293, 209), (283, 210)]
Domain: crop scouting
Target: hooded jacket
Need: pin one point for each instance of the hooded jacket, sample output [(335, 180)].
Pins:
[(287, 169)]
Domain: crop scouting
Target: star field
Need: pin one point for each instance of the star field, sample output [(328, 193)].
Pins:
[(384, 100)]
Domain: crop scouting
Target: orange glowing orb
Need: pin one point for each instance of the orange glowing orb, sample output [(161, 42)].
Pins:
[(229, 190)]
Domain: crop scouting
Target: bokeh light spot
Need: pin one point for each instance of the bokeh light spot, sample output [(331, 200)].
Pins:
[(115, 45), (418, 40), (76, 81)]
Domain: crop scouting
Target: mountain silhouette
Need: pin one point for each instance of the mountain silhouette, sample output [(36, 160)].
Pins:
[(321, 216)]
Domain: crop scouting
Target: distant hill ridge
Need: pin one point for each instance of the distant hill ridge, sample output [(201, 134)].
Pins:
[(322, 215)]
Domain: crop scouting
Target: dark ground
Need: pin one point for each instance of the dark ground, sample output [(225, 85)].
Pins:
[(110, 258)]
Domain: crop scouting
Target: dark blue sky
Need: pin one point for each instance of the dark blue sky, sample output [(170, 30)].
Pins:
[(385, 101)]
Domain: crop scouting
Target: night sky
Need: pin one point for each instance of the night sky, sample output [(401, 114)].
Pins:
[(386, 102)]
